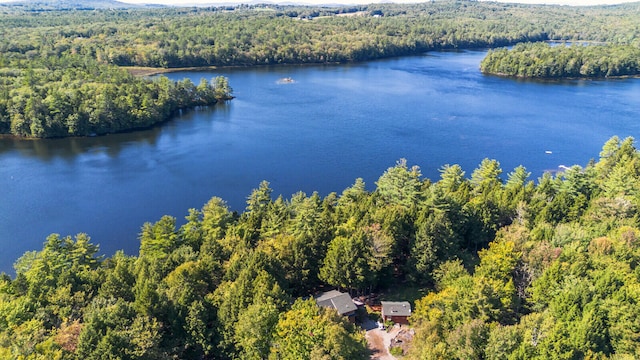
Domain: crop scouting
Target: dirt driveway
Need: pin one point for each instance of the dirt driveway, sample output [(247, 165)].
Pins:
[(379, 340)]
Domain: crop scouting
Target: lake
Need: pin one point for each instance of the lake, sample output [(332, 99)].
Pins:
[(320, 132)]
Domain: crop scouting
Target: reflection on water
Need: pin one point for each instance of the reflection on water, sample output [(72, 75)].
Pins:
[(68, 148), (48, 149), (320, 132), (112, 145)]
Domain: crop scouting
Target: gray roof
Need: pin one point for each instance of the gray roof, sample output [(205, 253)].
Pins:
[(336, 300), (396, 308)]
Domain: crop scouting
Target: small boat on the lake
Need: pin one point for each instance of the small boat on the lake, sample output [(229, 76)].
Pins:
[(286, 80)]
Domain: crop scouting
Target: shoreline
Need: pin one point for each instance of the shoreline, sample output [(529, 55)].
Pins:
[(131, 130), (542, 78), (150, 71)]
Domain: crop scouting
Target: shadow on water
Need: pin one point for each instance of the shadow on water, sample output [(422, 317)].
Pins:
[(68, 148), (112, 144)]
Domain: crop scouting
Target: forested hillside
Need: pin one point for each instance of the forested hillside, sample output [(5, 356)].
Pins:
[(56, 79), (271, 34), (513, 269), (560, 282)]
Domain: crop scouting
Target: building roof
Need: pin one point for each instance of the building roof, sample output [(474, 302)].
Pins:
[(336, 300), (396, 308)]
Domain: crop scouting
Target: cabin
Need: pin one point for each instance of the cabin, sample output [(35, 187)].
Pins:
[(396, 311), (337, 300)]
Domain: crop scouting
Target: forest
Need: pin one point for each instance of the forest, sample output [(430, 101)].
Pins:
[(542, 60), (512, 268), (273, 34), (71, 95), (61, 71)]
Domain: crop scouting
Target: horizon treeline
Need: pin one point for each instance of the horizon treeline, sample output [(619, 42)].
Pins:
[(273, 34), (57, 74), (513, 268)]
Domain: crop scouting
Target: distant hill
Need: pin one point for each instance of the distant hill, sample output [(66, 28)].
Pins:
[(45, 5)]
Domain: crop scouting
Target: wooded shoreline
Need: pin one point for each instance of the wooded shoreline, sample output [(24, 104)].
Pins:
[(543, 61), (490, 260), (52, 54)]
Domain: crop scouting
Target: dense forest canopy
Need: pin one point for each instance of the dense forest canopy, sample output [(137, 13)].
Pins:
[(542, 60), (514, 269), (56, 67), (272, 34), (71, 95)]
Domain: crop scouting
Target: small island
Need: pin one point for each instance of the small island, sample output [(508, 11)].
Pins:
[(546, 61)]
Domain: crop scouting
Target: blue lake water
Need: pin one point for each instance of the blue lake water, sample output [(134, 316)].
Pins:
[(318, 133)]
